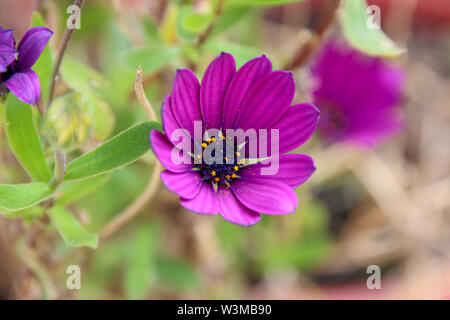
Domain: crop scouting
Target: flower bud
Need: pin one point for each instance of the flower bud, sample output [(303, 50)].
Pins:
[(68, 123)]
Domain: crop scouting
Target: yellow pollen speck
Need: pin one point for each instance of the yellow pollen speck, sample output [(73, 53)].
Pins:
[(217, 179), (238, 154), (233, 176), (204, 145), (227, 177), (213, 139), (208, 140), (226, 159), (236, 168), (213, 173), (199, 156), (222, 138)]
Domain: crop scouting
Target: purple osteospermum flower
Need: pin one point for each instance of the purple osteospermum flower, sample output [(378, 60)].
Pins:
[(15, 65), (253, 97), (356, 94)]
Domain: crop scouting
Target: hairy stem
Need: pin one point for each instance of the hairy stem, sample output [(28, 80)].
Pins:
[(60, 168), (140, 95)]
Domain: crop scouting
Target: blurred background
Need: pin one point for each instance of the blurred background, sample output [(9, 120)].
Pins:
[(387, 206)]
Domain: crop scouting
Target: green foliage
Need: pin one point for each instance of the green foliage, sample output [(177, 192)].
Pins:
[(71, 191), (28, 214), (177, 274), (70, 229), (140, 269), (117, 152), (21, 196), (24, 139), (152, 57), (197, 22), (240, 52), (371, 41)]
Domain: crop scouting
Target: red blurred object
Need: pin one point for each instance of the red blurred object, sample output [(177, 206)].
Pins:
[(428, 14)]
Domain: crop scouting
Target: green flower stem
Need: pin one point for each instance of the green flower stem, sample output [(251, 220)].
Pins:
[(60, 169)]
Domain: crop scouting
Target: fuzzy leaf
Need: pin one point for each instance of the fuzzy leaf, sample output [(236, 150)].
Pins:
[(356, 30), (24, 139), (117, 152), (70, 229), (14, 197)]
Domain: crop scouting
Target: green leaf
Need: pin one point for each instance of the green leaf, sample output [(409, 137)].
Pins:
[(151, 57), (357, 32), (26, 214), (44, 65), (70, 229), (24, 139), (117, 152), (14, 197), (197, 22), (79, 75), (230, 16), (69, 192), (263, 2)]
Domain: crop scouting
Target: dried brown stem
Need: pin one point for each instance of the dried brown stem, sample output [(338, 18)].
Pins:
[(205, 35), (321, 26)]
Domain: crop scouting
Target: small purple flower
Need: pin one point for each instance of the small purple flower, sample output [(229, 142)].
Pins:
[(15, 65), (254, 97), (357, 95)]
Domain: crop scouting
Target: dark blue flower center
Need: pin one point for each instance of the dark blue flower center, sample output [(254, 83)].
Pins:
[(224, 171)]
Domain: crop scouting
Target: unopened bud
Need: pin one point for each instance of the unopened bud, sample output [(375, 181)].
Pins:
[(68, 123)]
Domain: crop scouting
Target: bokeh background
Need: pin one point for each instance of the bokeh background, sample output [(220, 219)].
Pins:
[(387, 206)]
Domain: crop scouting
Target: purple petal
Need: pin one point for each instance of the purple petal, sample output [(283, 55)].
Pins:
[(170, 124), (7, 55), (369, 131), (7, 52), (294, 169), (205, 202), (214, 86), (7, 37), (267, 101), (31, 46), (25, 85), (185, 99), (234, 211), (163, 151), (294, 128), (267, 196), (186, 185), (239, 87)]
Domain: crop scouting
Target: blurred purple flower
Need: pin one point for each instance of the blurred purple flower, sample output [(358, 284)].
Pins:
[(15, 65), (357, 95), (253, 97)]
